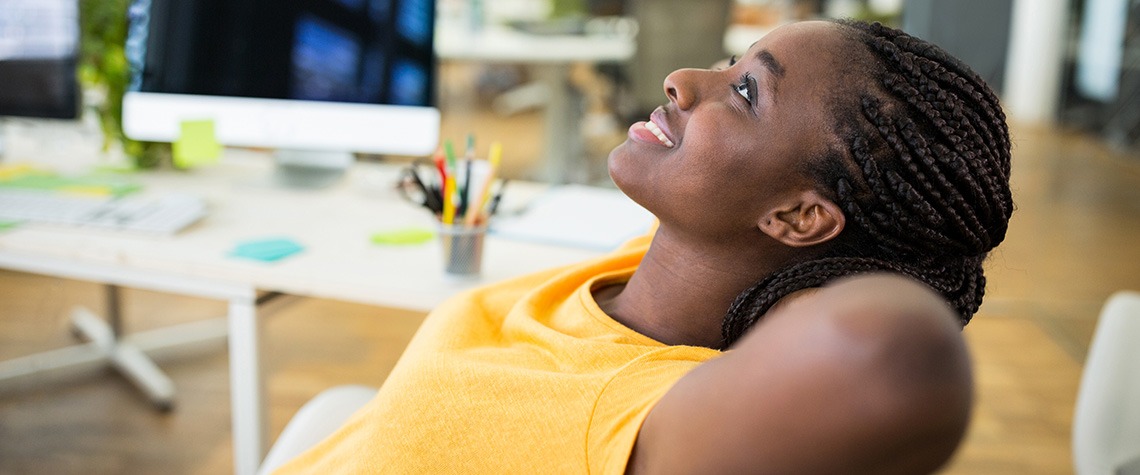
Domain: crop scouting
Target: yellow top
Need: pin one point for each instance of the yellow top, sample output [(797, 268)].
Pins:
[(524, 376)]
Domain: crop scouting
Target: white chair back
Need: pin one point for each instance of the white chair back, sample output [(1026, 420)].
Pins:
[(1106, 423), (317, 419)]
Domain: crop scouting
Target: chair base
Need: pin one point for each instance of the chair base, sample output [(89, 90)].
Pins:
[(130, 356)]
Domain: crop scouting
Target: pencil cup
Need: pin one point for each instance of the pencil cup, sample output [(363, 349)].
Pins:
[(462, 248)]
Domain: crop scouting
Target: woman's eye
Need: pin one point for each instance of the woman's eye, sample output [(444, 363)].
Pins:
[(746, 88), (732, 60), (742, 89)]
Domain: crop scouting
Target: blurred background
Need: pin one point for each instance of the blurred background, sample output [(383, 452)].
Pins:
[(1068, 72)]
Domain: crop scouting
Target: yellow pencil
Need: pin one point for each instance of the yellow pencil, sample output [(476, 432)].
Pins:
[(495, 158), (448, 203)]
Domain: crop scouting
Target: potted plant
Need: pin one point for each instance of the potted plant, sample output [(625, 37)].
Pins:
[(105, 74)]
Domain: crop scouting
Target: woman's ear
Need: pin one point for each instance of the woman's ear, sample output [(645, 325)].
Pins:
[(805, 220)]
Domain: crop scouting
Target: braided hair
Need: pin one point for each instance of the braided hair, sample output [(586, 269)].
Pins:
[(920, 170)]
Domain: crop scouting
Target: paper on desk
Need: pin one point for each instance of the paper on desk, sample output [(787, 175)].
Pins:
[(577, 216), (197, 145)]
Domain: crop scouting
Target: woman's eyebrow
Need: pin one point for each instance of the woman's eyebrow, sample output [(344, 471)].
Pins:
[(770, 62), (774, 67)]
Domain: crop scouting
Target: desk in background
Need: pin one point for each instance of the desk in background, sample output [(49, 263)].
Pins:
[(338, 262)]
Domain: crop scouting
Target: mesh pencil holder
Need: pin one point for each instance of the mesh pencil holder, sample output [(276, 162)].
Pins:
[(462, 248)]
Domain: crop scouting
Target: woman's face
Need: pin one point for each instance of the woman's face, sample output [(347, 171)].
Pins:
[(725, 150)]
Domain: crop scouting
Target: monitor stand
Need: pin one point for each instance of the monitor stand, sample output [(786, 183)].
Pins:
[(310, 169)]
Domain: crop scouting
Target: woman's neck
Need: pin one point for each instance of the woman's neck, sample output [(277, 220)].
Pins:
[(682, 289)]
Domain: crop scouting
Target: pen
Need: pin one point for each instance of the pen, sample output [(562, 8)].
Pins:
[(497, 198), (431, 198), (465, 192), (450, 151)]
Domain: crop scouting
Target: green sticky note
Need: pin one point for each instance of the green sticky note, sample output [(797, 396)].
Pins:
[(91, 184), (267, 250), (197, 145), (401, 237)]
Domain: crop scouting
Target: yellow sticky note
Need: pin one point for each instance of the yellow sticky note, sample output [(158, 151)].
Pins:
[(197, 145), (15, 170), (403, 237)]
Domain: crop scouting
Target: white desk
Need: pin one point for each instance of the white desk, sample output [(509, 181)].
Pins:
[(339, 261), (550, 58)]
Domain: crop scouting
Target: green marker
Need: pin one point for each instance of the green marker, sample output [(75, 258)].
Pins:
[(450, 151)]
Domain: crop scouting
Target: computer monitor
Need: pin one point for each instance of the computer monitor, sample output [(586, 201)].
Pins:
[(38, 51), (315, 79)]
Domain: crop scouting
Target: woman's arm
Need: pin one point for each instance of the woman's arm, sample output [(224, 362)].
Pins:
[(869, 375)]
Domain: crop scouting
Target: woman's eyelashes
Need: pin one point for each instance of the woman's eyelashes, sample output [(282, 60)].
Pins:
[(732, 60), (746, 88)]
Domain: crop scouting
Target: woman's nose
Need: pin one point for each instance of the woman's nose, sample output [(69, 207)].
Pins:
[(680, 87)]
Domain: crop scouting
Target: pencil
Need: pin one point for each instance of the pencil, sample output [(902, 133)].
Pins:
[(496, 154), (495, 158), (475, 208), (448, 203), (449, 184)]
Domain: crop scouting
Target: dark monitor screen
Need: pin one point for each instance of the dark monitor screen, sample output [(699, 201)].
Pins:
[(357, 51), (38, 52)]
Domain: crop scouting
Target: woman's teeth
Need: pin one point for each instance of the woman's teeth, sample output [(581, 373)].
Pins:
[(660, 135)]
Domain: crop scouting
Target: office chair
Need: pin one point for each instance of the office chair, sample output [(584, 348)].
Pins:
[(1106, 423), (317, 419)]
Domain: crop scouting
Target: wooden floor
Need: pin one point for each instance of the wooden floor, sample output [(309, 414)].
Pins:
[(1073, 241)]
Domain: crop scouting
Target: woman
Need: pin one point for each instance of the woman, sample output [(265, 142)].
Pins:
[(825, 204)]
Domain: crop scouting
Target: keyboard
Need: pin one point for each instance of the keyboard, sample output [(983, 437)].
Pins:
[(164, 214)]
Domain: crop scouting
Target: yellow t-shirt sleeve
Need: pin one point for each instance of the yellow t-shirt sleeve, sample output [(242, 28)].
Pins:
[(626, 401)]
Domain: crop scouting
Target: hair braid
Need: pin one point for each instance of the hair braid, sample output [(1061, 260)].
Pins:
[(923, 179)]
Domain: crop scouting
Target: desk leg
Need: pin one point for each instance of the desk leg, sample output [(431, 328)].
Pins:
[(247, 387), (562, 151)]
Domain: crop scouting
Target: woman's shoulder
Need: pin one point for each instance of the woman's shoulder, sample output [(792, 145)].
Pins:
[(888, 312), (868, 375), (893, 346)]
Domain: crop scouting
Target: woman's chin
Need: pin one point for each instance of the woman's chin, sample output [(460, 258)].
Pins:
[(628, 174), (618, 165)]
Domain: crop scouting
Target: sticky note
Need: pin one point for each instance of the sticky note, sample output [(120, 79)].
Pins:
[(197, 145), (92, 184), (267, 250), (6, 225), (402, 237), (8, 172)]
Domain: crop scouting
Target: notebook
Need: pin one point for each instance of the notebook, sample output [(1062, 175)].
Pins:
[(577, 216)]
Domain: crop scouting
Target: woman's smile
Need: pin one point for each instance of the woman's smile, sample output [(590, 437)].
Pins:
[(653, 131)]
